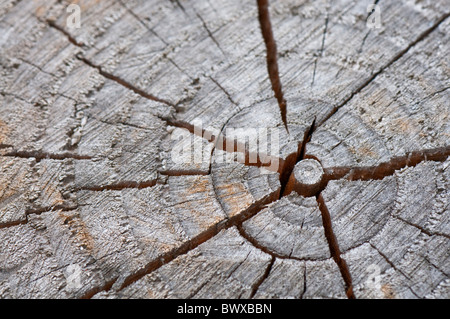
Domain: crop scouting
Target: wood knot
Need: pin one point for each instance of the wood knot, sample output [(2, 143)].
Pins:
[(306, 178)]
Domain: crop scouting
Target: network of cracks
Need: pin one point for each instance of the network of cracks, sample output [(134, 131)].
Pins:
[(297, 172)]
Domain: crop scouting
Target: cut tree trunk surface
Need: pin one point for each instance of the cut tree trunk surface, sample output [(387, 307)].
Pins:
[(98, 199)]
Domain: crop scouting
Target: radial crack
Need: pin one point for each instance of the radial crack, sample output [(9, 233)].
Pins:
[(321, 49), (119, 186), (334, 247), (123, 82), (385, 169), (422, 229), (71, 39), (174, 172), (200, 239), (394, 267), (36, 211), (294, 158), (263, 277), (141, 22), (400, 54), (40, 155), (224, 91), (210, 34), (179, 5), (106, 287), (40, 210), (104, 73), (13, 223), (232, 146), (271, 56)]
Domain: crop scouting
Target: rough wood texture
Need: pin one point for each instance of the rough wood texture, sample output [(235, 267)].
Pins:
[(99, 200)]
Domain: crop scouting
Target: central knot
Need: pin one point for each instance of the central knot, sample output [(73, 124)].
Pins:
[(306, 178)]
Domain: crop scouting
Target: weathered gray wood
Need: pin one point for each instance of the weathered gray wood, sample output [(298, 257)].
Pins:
[(404, 110), (359, 209), (408, 257), (238, 187), (13, 190), (36, 258), (226, 266), (302, 279), (88, 125), (290, 228)]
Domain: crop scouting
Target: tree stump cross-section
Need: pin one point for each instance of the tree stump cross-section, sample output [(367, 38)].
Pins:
[(224, 149)]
